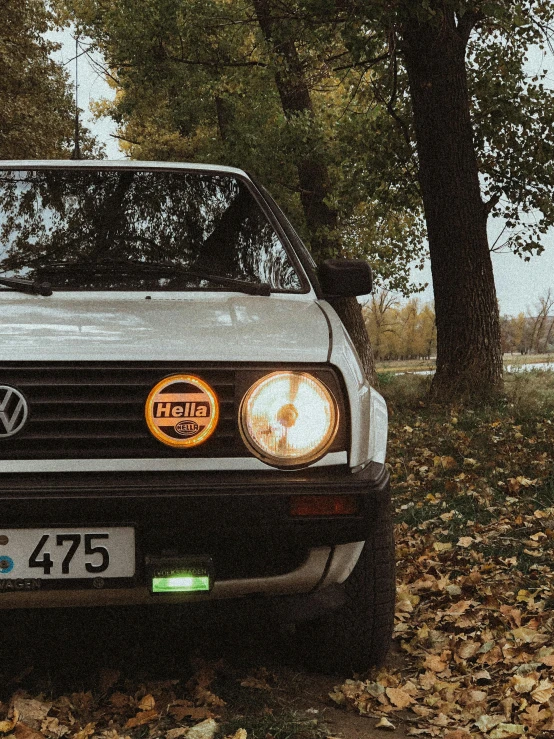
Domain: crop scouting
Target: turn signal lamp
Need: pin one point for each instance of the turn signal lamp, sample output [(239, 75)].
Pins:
[(324, 505), (288, 419)]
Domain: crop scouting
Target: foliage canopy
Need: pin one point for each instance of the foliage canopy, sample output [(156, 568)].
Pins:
[(36, 104), (196, 82)]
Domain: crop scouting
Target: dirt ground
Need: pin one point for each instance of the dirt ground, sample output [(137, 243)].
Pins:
[(55, 652)]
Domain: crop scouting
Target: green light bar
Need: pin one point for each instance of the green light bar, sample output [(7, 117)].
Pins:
[(182, 582)]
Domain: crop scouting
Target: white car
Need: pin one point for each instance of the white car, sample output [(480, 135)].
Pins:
[(182, 413)]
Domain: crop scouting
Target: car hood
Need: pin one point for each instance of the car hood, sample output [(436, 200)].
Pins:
[(128, 327)]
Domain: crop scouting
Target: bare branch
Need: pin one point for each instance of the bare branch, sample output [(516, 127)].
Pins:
[(122, 138), (368, 63), (206, 63)]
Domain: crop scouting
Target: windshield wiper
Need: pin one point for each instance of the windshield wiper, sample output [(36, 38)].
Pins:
[(27, 286), (250, 288)]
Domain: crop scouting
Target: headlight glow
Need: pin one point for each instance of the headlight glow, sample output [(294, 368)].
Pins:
[(288, 418)]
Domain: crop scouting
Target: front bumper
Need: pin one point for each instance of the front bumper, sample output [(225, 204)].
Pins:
[(240, 519)]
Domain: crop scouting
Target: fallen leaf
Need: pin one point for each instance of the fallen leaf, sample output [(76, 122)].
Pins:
[(6, 726), (524, 683), (51, 726), (87, 731), (535, 715), (385, 724), (468, 649), (204, 730), (434, 662), (399, 697), (465, 541), (456, 609), (506, 731), (485, 722), (147, 703), (31, 711), (194, 712), (543, 691), (242, 734), (144, 717), (176, 733), (22, 731)]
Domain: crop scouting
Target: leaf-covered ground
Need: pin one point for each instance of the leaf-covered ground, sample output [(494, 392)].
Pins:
[(474, 495)]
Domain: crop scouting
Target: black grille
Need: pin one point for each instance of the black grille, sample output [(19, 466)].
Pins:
[(95, 410), (92, 410)]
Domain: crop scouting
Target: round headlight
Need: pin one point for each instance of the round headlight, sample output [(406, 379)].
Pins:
[(288, 418)]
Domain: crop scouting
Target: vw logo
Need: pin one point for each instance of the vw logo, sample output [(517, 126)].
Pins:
[(13, 411)]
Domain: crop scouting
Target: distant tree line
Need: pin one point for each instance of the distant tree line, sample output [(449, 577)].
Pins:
[(400, 331), (531, 332), (407, 330)]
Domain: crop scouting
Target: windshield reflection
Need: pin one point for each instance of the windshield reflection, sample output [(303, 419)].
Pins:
[(204, 222)]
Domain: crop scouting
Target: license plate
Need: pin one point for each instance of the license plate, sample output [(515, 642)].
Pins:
[(64, 554)]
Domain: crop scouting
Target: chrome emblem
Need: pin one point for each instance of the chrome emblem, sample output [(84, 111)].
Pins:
[(13, 411)]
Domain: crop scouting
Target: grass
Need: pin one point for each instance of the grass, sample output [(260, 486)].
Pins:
[(526, 395), (394, 366)]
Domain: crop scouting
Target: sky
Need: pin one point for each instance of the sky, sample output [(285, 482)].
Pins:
[(519, 284)]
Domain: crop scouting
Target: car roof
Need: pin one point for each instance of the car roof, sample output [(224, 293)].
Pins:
[(117, 164)]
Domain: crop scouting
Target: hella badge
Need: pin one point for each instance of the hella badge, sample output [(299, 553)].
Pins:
[(182, 411)]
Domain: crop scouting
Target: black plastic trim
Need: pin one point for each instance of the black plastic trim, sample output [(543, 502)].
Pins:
[(373, 480), (296, 242), (215, 514)]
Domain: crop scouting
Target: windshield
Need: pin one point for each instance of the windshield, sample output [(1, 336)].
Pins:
[(208, 223)]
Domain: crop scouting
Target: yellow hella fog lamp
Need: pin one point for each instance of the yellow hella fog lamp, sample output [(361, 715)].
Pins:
[(288, 419)]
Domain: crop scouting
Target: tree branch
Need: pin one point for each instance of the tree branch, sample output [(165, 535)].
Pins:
[(467, 22), (205, 63), (492, 203), (367, 63), (122, 138), (390, 103)]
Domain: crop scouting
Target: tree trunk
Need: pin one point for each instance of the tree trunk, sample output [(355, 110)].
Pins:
[(350, 313), (313, 176), (469, 354), (295, 98)]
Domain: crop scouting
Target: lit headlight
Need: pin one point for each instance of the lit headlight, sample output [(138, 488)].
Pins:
[(288, 418)]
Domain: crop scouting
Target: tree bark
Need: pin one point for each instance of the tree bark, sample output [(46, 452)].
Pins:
[(469, 354), (313, 176), (294, 93)]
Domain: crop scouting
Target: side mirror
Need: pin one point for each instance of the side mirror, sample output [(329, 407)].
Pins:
[(345, 278)]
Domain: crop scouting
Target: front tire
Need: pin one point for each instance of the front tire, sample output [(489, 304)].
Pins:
[(358, 634)]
